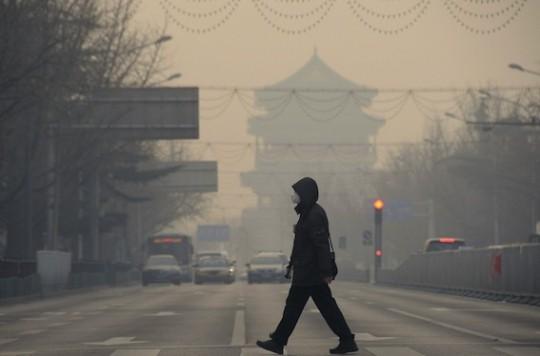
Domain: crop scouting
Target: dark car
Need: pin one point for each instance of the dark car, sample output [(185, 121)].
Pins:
[(444, 244), (214, 268), (267, 267), (161, 269)]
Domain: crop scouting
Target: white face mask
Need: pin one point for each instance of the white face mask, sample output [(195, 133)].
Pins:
[(295, 198)]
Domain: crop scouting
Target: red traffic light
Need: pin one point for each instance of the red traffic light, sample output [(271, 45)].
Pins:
[(378, 253), (378, 204)]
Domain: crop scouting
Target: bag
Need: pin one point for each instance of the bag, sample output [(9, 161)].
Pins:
[(333, 257), (332, 251)]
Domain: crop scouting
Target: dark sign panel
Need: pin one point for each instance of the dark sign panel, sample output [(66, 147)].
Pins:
[(139, 113)]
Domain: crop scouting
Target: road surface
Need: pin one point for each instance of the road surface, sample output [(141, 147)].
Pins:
[(217, 319)]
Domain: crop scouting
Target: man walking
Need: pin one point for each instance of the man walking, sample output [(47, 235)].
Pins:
[(313, 270)]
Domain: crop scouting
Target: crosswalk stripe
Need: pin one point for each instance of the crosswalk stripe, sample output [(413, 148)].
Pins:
[(392, 351), (239, 329), (32, 332), (127, 352), (6, 341), (519, 351)]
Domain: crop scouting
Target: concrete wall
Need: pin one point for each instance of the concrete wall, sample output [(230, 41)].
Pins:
[(512, 269)]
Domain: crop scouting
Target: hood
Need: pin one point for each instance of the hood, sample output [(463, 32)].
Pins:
[(272, 266), (307, 190), (162, 268)]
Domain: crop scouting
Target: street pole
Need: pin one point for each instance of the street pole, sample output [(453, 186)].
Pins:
[(378, 205), (51, 190)]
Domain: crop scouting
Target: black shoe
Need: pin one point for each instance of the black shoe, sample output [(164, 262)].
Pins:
[(345, 346), (271, 345)]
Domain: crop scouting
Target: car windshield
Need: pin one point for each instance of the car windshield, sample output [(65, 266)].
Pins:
[(161, 261), (213, 262), (440, 246), (267, 260)]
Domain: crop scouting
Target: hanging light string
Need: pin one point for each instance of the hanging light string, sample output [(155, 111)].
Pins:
[(184, 19), (287, 23), (481, 23), (299, 17), (369, 17), (327, 105)]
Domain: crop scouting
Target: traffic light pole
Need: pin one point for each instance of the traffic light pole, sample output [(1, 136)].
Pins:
[(377, 251)]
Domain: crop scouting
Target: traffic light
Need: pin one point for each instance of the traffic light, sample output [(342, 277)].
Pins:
[(378, 205)]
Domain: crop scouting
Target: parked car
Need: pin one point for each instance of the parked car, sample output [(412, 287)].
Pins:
[(267, 267), (214, 268), (443, 244), (161, 269)]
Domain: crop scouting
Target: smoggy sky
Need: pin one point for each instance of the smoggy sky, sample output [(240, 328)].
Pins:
[(436, 51)]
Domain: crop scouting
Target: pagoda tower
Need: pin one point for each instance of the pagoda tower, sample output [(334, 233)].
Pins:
[(311, 124)]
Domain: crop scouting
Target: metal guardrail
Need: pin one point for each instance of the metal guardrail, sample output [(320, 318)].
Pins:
[(14, 287), (512, 270)]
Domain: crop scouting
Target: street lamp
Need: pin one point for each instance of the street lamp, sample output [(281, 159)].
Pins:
[(162, 39), (520, 68), (168, 79)]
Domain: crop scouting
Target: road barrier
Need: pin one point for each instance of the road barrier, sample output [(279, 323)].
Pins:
[(23, 279), (504, 271)]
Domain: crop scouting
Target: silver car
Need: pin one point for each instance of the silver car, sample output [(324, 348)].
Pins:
[(161, 269), (214, 269)]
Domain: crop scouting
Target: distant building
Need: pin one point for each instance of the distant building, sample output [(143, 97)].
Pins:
[(332, 140)]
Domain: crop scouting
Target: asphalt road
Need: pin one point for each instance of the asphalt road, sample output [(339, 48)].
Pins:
[(226, 320)]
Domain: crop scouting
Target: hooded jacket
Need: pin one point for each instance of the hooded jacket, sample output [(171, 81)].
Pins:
[(311, 259)]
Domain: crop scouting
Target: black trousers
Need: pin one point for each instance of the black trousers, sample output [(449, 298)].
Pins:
[(296, 301)]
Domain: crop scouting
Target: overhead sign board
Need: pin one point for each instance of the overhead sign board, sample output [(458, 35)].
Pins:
[(159, 113), (213, 233), (193, 176)]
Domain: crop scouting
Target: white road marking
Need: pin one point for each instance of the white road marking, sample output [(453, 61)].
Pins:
[(440, 309), (256, 351), (54, 313), (149, 352), (452, 327), (370, 337), (312, 310), (392, 351), (94, 313), (7, 341), (239, 330), (55, 325), (519, 351), (240, 304), (32, 332), (164, 313), (114, 341), (34, 319), (17, 353)]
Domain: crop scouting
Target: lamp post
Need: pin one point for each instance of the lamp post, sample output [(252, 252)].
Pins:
[(168, 79), (520, 68)]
